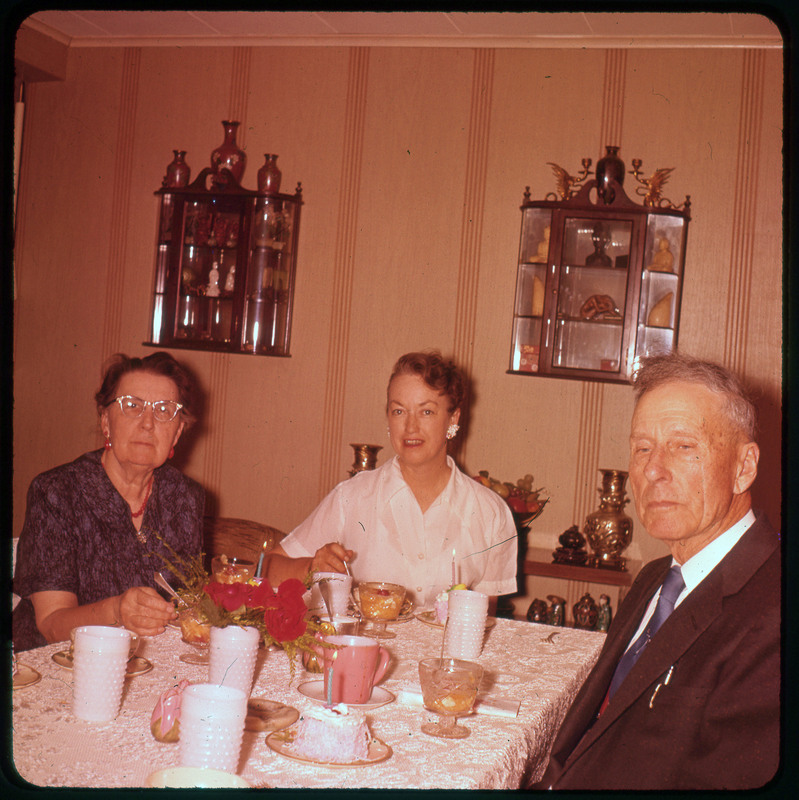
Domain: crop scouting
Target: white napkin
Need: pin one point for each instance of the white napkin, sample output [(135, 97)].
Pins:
[(495, 706)]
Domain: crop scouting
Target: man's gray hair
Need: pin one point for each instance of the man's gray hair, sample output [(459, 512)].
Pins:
[(657, 370)]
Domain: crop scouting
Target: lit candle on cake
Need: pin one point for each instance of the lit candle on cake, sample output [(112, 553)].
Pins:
[(454, 581)]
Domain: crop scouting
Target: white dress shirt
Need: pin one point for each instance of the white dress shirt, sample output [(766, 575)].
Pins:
[(699, 566), (376, 514)]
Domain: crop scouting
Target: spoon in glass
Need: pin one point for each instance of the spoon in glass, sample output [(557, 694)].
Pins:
[(161, 581)]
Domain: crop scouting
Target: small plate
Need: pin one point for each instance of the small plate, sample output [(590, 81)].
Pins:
[(26, 676), (136, 666), (268, 715), (282, 742), (315, 690), (429, 618), (195, 778)]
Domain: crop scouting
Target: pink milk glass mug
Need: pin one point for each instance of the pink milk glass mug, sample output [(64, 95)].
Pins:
[(352, 670)]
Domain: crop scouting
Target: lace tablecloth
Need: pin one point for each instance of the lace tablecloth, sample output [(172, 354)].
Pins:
[(53, 748)]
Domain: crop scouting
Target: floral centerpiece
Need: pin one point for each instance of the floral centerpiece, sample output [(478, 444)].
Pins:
[(280, 615)]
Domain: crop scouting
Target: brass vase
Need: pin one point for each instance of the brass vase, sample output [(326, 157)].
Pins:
[(365, 457), (609, 530)]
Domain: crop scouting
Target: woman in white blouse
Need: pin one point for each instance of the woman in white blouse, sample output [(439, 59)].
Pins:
[(406, 521)]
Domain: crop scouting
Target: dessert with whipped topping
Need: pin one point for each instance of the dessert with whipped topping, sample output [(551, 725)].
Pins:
[(338, 735)]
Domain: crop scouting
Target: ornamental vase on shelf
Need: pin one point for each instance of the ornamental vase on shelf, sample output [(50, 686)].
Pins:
[(609, 166), (365, 457), (609, 530), (229, 155), (178, 171), (269, 175)]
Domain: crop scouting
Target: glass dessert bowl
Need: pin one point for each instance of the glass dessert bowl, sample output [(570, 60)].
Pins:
[(449, 689), (197, 633), (232, 570), (380, 602)]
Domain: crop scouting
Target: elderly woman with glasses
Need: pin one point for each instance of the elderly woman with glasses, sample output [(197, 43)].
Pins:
[(96, 529)]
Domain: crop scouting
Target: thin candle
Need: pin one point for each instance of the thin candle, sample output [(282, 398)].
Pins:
[(329, 676), (260, 565), (454, 581)]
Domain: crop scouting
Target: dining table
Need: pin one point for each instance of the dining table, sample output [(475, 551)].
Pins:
[(532, 672)]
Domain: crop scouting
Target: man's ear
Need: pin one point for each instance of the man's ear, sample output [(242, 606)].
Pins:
[(746, 470)]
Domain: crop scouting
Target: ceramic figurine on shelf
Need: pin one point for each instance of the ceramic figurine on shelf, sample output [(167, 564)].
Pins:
[(605, 614), (663, 260), (557, 610), (542, 253), (572, 548), (601, 239), (585, 613), (537, 612), (230, 281), (213, 281)]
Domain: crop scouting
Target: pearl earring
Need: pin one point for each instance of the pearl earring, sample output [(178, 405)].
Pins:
[(107, 443), (452, 430)]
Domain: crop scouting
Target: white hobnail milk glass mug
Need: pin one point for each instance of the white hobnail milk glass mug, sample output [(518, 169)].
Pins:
[(232, 654), (100, 658), (212, 726)]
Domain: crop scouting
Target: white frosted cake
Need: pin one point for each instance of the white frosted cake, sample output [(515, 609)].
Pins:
[(337, 734)]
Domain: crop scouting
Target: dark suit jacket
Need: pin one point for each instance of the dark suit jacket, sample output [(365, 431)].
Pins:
[(716, 724)]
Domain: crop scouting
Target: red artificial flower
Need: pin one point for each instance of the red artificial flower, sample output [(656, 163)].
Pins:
[(285, 611), (260, 595), (228, 595)]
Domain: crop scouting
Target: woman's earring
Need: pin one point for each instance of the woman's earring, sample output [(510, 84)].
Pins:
[(171, 452), (107, 443), (452, 430)]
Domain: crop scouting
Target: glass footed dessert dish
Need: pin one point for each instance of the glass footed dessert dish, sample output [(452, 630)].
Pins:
[(196, 633), (449, 689), (380, 602)]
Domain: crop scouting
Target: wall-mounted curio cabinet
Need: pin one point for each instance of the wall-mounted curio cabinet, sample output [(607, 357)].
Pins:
[(225, 266), (599, 277)]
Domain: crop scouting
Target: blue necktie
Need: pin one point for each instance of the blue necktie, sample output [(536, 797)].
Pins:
[(669, 593)]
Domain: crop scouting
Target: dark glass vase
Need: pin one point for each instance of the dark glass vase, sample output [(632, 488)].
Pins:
[(229, 155), (609, 166), (178, 172), (269, 175)]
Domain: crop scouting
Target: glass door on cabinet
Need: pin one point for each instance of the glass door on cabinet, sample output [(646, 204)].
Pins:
[(530, 289), (269, 276), (661, 282), (592, 294), (208, 270)]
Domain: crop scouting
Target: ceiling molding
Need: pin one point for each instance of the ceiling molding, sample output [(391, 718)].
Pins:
[(630, 31)]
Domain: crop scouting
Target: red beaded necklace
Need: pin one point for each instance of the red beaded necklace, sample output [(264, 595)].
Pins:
[(136, 514)]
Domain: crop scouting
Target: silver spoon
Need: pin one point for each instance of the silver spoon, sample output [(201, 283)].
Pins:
[(161, 581)]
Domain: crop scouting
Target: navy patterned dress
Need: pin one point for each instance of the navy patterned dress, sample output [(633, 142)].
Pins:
[(78, 536)]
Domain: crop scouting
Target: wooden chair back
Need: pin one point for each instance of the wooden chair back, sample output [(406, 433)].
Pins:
[(237, 538)]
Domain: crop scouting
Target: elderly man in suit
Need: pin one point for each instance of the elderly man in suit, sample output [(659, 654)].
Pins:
[(686, 691)]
